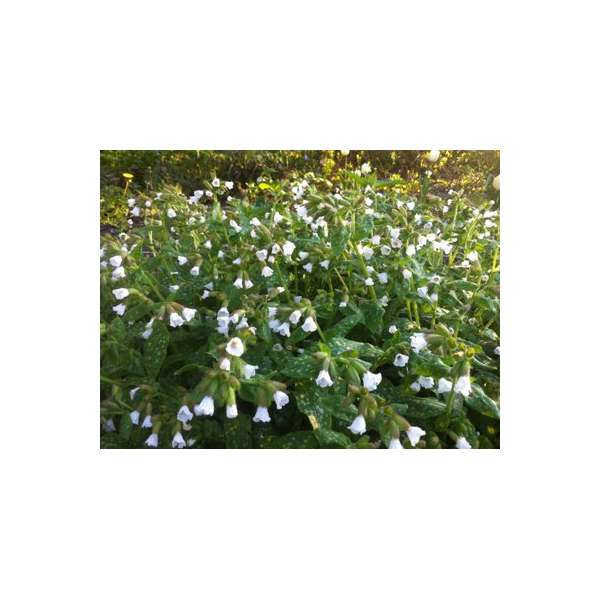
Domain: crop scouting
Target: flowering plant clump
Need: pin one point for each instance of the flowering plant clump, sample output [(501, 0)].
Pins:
[(303, 313)]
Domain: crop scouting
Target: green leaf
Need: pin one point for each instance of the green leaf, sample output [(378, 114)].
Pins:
[(339, 239), (373, 316), (155, 349), (331, 439), (296, 439), (343, 327), (301, 367), (423, 408), (309, 402), (238, 432), (479, 401), (339, 345), (125, 427)]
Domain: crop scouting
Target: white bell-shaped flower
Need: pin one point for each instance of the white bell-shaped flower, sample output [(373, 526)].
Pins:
[(231, 411), (235, 347), (400, 360), (309, 325), (261, 415), (358, 426), (418, 341), (120, 293), (205, 408), (371, 380), (152, 440), (462, 443), (444, 386), (178, 441), (395, 444), (414, 435), (281, 399), (184, 414), (175, 320), (463, 385), (324, 379)]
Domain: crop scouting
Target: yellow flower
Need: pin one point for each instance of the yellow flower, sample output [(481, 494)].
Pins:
[(128, 175)]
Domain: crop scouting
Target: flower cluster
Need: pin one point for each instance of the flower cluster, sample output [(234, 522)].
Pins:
[(303, 313)]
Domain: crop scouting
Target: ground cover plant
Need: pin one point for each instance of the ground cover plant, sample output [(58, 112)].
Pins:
[(314, 310)]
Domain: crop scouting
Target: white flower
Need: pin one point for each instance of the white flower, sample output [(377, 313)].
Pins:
[(188, 313), (385, 250), (262, 415), (235, 226), (309, 325), (195, 271), (418, 341), (184, 414), (225, 364), (473, 256), (181, 260), (365, 251), (208, 245), (369, 281), (118, 273), (115, 261), (288, 248), (120, 309), (178, 441), (324, 379), (254, 221), (175, 320), (109, 426), (206, 407), (415, 386), (295, 317), (324, 264), (371, 380), (281, 399), (462, 444), (272, 311), (231, 411), (422, 292), (239, 283), (120, 293), (173, 288), (395, 444), (410, 205), (414, 435), (406, 274), (152, 440), (365, 168), (284, 329), (229, 185), (463, 385), (250, 371), (410, 251), (497, 350), (134, 415), (262, 254), (434, 298), (444, 386), (383, 277), (216, 182), (277, 218), (171, 213), (267, 271), (133, 392), (235, 347), (147, 422), (248, 284), (308, 267), (400, 360), (496, 182), (433, 156), (393, 329), (358, 426)]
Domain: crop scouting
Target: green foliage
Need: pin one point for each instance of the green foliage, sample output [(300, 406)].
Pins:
[(205, 306)]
